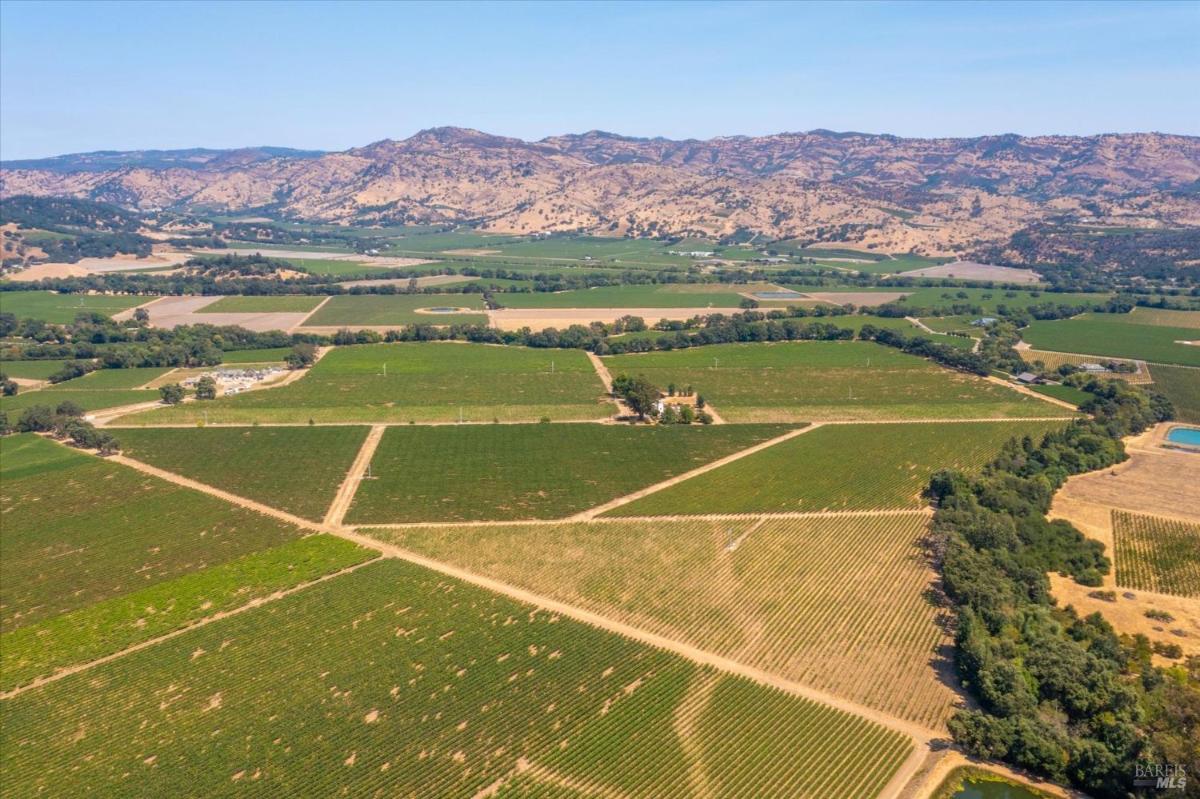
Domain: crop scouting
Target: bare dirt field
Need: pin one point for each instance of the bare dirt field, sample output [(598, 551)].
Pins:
[(856, 297), (95, 266), (176, 311), (1156, 481), (538, 318), (970, 270)]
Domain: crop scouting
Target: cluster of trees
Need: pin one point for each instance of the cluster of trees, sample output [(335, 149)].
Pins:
[(1063, 696), (64, 422), (1072, 252), (643, 398), (90, 229), (925, 347)]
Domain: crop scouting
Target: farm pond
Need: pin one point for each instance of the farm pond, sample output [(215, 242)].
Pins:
[(993, 789)]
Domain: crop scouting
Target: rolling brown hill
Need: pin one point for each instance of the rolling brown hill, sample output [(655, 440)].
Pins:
[(925, 195)]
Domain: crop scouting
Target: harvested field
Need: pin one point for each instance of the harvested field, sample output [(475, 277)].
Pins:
[(826, 380), (540, 318), (970, 270), (650, 295), (537, 471), (463, 690), (1157, 554), (296, 469), (159, 261), (1163, 317), (428, 382), (837, 467), (862, 610)]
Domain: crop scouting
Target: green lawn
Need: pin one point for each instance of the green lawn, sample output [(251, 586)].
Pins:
[(1182, 387), (50, 306), (105, 530), (823, 380), (418, 382), (397, 309), (538, 471), (296, 469), (30, 370), (837, 467), (397, 681), (1117, 336), (285, 303)]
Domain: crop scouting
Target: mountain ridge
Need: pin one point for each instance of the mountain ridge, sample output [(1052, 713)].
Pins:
[(902, 194)]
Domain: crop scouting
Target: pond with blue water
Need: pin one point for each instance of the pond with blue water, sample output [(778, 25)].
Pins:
[(1187, 436)]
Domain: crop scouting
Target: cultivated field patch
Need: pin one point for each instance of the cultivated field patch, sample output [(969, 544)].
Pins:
[(1053, 360), (60, 309), (670, 295), (30, 370), (105, 530), (1156, 554), (363, 310), (296, 469), (1182, 387), (536, 471), (825, 380), (837, 467), (1117, 335), (398, 681), (430, 382), (838, 602), (265, 304), (89, 400)]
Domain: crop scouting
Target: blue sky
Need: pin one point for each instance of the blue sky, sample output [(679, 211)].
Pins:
[(90, 76)]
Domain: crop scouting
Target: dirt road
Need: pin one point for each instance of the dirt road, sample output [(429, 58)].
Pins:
[(345, 495)]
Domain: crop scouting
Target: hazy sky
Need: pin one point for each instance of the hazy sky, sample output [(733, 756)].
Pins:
[(93, 76)]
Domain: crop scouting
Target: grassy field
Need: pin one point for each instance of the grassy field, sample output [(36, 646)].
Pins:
[(1116, 335), (823, 380), (265, 355), (668, 295), (30, 370), (1156, 554), (111, 380), (831, 602), (286, 303), (537, 471), (953, 324), (89, 400), (990, 300), (296, 469), (418, 382), (397, 309), (1065, 393), (397, 681), (1163, 317), (50, 306), (105, 530), (334, 267), (837, 467), (1182, 387)]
